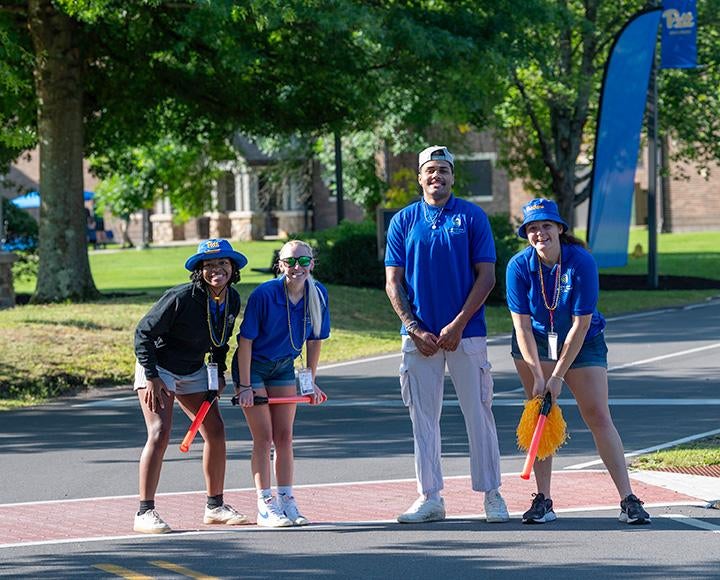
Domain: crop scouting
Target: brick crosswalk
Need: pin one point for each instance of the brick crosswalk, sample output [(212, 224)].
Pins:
[(96, 518)]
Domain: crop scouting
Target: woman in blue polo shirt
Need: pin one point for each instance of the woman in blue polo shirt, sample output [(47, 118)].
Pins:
[(280, 317), (552, 293)]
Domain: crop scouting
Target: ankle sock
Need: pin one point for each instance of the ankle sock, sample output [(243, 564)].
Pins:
[(215, 501), (146, 505)]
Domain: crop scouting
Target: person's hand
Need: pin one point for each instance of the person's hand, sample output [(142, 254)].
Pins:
[(554, 385), (245, 397), (426, 342), (538, 387), (450, 337), (156, 392), (317, 397)]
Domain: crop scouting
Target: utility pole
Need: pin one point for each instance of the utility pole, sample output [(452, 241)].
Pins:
[(339, 178), (652, 178)]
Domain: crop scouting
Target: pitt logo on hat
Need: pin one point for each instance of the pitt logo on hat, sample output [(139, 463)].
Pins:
[(215, 249), (540, 210)]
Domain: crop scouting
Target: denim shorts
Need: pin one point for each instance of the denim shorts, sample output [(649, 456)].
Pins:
[(592, 354), (280, 373)]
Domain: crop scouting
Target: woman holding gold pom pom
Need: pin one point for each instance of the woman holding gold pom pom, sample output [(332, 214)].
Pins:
[(552, 293)]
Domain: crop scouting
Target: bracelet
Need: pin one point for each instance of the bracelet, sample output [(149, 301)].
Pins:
[(557, 377), (411, 327)]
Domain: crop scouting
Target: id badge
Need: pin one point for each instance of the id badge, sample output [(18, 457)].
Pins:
[(212, 371), (306, 382), (552, 345)]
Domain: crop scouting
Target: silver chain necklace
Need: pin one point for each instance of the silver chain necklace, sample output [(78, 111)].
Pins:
[(431, 219)]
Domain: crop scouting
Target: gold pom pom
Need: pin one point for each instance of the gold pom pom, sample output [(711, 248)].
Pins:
[(554, 434)]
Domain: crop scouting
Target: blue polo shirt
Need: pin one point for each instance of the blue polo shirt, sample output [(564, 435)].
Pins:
[(439, 263), (579, 290), (265, 321)]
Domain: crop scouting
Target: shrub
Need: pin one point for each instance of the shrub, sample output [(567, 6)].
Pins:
[(348, 255), (506, 245)]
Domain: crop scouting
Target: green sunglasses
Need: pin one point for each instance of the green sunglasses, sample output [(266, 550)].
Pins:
[(304, 261)]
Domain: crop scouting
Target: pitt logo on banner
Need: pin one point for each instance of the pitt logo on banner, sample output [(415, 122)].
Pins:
[(679, 34)]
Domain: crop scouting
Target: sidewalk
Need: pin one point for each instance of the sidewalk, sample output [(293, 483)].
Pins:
[(341, 503), (699, 486)]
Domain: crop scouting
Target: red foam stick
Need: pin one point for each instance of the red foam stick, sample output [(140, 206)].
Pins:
[(299, 399), (199, 418), (537, 435)]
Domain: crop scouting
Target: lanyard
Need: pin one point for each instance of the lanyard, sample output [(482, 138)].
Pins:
[(305, 308), (556, 291)]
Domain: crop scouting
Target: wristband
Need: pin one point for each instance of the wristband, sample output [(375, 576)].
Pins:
[(411, 327)]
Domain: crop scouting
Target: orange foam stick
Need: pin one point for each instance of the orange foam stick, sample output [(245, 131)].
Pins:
[(199, 418), (537, 435)]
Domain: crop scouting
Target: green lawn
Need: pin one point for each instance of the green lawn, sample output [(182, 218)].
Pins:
[(48, 349), (695, 454)]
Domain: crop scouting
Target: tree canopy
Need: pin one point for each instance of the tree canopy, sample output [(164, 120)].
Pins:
[(105, 70)]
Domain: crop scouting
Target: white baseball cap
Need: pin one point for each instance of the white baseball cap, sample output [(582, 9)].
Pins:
[(436, 152)]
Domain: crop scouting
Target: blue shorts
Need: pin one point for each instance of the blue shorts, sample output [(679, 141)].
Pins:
[(280, 373), (592, 354)]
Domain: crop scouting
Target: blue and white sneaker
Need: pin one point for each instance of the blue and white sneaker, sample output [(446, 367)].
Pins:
[(270, 515), (291, 511)]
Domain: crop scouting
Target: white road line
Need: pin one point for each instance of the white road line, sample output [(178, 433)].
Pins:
[(498, 401), (692, 522), (650, 449), (664, 357)]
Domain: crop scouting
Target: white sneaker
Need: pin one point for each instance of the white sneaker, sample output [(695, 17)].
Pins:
[(150, 523), (424, 510), (291, 511), (225, 514), (270, 516), (495, 509)]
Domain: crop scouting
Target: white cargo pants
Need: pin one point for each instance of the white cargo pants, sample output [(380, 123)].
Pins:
[(421, 385)]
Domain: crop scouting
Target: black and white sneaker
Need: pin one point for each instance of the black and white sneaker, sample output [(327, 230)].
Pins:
[(632, 511), (540, 512)]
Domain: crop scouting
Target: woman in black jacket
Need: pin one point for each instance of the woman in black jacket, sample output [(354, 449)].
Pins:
[(189, 323)]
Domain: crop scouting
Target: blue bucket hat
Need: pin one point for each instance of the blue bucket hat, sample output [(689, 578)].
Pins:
[(215, 249), (539, 210)]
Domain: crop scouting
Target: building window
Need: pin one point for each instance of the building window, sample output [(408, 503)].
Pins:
[(473, 178), (226, 192)]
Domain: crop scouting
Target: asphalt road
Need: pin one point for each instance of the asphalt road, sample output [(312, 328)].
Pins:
[(664, 383)]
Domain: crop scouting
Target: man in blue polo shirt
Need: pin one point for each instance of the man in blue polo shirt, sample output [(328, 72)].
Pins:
[(440, 268)]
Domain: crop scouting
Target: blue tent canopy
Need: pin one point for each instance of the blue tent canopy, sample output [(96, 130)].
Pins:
[(31, 200)]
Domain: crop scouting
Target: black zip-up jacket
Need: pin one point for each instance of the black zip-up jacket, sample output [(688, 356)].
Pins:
[(174, 334)]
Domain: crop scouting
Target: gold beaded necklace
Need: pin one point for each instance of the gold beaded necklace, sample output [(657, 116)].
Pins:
[(211, 327), (556, 290)]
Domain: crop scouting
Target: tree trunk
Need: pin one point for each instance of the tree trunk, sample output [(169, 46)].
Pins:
[(64, 270)]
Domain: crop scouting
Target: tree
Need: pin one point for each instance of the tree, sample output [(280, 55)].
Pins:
[(105, 69), (546, 123), (552, 84)]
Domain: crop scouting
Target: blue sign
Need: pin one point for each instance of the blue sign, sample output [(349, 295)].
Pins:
[(679, 34), (617, 142)]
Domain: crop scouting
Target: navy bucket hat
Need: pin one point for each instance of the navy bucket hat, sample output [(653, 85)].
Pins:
[(539, 210), (215, 249)]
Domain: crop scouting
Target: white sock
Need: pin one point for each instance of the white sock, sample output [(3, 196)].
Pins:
[(284, 492), (264, 494)]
